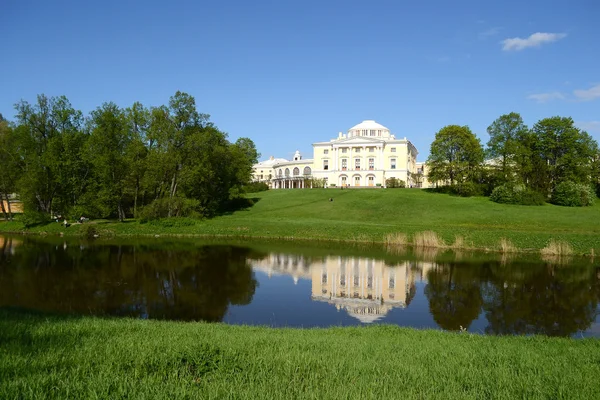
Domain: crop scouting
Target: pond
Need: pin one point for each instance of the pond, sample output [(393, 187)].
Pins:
[(300, 285)]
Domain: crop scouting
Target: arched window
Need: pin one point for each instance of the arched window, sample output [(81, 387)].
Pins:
[(280, 171), (296, 171), (287, 172), (307, 171)]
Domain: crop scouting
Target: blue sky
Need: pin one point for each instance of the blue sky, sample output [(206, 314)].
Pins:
[(290, 73)]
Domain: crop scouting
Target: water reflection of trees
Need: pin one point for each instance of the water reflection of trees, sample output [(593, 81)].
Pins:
[(517, 299), (192, 284), (542, 299), (454, 295)]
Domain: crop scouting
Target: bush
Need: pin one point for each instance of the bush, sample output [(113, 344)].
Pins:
[(468, 189), (33, 218), (516, 194), (255, 187), (180, 207), (571, 194), (395, 183)]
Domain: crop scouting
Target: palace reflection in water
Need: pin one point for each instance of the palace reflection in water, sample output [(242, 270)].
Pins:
[(188, 281), (367, 289)]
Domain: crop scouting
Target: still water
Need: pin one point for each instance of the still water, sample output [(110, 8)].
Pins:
[(298, 286)]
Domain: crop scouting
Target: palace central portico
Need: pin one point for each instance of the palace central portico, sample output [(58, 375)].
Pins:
[(365, 156)]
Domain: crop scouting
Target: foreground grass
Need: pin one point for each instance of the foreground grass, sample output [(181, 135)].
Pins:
[(59, 357), (374, 215)]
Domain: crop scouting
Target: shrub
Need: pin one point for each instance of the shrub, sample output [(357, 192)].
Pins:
[(254, 187), (179, 206), (32, 218), (468, 189), (517, 194), (395, 183), (573, 194)]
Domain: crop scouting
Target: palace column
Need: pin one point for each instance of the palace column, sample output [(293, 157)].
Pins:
[(334, 155)]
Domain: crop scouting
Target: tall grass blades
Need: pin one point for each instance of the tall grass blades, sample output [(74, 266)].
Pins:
[(506, 246), (396, 239), (428, 239), (557, 248)]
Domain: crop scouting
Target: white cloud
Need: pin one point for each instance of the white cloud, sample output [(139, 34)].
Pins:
[(587, 94), (545, 97), (535, 40), (589, 126)]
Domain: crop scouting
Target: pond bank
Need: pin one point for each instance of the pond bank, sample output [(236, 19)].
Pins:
[(388, 217), (114, 358)]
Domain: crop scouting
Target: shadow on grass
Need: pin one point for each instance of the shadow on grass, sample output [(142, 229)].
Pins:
[(238, 204)]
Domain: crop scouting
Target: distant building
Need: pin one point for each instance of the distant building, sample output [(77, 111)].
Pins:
[(365, 156)]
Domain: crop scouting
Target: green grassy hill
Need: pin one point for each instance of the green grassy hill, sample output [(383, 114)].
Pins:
[(371, 215)]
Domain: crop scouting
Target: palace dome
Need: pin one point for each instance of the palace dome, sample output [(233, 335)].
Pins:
[(369, 124)]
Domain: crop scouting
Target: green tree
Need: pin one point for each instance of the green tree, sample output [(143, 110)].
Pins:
[(11, 166), (563, 152), (505, 145), (138, 121), (50, 144), (106, 151), (456, 156)]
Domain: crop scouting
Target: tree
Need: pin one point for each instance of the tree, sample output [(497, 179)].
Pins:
[(106, 151), (50, 144), (11, 166), (563, 152), (138, 121), (456, 155), (505, 144)]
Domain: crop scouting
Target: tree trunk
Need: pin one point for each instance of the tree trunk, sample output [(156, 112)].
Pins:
[(135, 197), (3, 209), (10, 216)]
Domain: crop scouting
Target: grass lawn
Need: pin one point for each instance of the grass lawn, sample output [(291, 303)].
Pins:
[(370, 215), (67, 357)]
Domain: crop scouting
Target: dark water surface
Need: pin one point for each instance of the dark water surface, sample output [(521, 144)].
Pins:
[(287, 284)]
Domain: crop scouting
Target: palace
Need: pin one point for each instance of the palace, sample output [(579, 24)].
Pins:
[(366, 156)]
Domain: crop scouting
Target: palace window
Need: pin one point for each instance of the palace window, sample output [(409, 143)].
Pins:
[(357, 150), (325, 164), (372, 133), (393, 163), (296, 171), (344, 150), (364, 132), (325, 151), (393, 149), (357, 181), (280, 172), (344, 164), (371, 163), (287, 172), (371, 149), (379, 133), (357, 163), (324, 277), (343, 181), (307, 171)]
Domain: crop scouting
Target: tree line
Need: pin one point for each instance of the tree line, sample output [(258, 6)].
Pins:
[(118, 162), (519, 164)]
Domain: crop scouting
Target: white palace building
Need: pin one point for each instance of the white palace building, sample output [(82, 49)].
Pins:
[(364, 157)]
